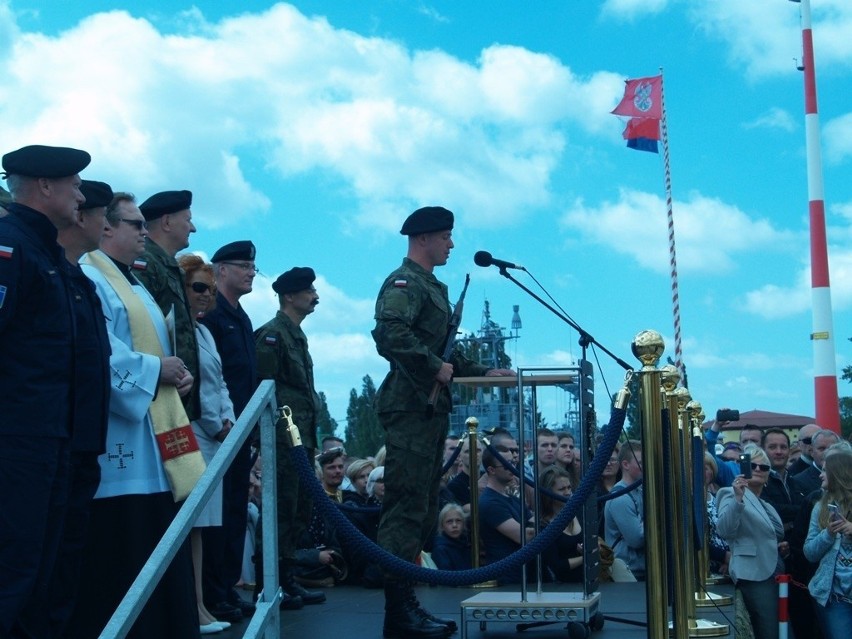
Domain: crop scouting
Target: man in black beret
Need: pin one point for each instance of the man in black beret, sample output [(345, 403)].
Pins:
[(170, 224), (91, 403), (37, 363), (282, 356), (412, 321), (230, 326)]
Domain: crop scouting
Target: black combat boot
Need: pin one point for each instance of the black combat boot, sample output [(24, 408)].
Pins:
[(449, 624), (403, 617), (290, 587)]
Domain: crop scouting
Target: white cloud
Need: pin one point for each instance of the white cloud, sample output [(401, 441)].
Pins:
[(775, 118), (837, 137), (773, 301), (765, 35), (632, 9), (296, 95), (636, 225)]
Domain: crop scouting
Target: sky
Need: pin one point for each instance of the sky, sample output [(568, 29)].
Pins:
[(314, 128)]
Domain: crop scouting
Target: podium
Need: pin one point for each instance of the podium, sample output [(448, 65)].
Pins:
[(580, 611)]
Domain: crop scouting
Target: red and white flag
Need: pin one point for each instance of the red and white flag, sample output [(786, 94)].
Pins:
[(642, 98)]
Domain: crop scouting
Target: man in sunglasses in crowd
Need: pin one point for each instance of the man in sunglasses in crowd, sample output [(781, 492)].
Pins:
[(282, 356), (805, 440)]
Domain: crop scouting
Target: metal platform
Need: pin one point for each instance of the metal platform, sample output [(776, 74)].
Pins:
[(539, 608)]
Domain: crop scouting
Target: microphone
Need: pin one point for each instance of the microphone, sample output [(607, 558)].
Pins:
[(483, 258)]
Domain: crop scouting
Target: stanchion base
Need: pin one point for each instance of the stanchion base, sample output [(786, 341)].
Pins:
[(486, 584), (712, 599), (547, 607), (705, 628), (715, 580)]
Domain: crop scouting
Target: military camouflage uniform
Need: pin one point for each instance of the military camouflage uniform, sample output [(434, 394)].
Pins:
[(164, 279), (412, 319), (282, 355)]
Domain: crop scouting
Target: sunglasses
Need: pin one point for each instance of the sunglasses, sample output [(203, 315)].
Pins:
[(764, 467), (137, 224), (506, 449), (806, 440), (201, 287)]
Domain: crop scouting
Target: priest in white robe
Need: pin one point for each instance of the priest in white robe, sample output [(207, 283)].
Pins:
[(151, 460)]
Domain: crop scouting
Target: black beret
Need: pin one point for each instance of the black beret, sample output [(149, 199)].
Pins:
[(240, 250), (45, 161), (96, 194), (429, 219), (165, 203), (295, 280)]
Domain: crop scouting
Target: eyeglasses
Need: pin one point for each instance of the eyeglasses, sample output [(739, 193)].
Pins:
[(201, 287), (806, 440), (611, 461), (506, 449), (764, 467), (245, 266), (138, 224)]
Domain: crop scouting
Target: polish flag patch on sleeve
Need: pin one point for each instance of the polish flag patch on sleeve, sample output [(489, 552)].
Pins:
[(400, 283), (270, 340), (6, 252), (140, 265)]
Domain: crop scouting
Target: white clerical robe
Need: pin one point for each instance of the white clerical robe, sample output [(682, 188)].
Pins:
[(132, 462)]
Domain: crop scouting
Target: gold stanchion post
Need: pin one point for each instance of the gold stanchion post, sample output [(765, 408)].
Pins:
[(473, 450), (648, 346)]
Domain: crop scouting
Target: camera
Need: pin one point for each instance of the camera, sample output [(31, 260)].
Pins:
[(727, 415), (745, 465)]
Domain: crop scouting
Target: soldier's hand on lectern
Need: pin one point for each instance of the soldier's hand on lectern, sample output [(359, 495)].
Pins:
[(500, 372)]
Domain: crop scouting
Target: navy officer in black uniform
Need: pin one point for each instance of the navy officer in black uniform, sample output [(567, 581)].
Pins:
[(91, 409), (234, 267), (37, 370)]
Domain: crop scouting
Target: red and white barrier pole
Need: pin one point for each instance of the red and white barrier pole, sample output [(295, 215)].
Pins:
[(783, 607)]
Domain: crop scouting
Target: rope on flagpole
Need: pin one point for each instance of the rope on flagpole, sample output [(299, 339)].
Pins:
[(664, 135)]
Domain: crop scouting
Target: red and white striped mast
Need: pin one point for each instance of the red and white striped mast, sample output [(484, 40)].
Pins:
[(825, 366)]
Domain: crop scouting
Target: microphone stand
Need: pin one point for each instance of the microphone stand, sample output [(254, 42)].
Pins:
[(585, 341)]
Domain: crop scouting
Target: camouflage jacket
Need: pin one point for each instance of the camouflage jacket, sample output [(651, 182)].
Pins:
[(412, 319), (164, 279), (282, 356)]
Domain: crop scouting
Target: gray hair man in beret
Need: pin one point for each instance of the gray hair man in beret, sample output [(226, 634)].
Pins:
[(412, 321), (230, 326), (37, 381), (282, 355), (169, 220)]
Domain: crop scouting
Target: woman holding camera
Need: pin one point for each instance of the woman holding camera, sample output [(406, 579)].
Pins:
[(829, 542), (753, 530)]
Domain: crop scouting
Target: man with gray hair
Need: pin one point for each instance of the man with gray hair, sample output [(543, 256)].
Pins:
[(808, 480), (37, 361)]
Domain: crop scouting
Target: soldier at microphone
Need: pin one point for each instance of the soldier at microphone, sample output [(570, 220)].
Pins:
[(412, 321)]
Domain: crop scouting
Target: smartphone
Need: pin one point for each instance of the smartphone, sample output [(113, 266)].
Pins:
[(833, 513), (727, 415), (745, 465)]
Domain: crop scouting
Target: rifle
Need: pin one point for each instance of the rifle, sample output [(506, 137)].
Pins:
[(452, 331)]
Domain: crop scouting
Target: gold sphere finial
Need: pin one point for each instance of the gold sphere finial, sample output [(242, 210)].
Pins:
[(683, 397), (670, 377), (648, 347)]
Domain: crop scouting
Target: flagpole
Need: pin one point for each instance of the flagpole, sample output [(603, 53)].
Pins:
[(825, 368), (664, 138)]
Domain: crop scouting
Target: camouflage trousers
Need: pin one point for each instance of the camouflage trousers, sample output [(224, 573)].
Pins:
[(294, 503), (415, 451)]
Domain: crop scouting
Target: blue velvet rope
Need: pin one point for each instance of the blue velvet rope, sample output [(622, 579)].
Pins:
[(355, 540), (699, 507)]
